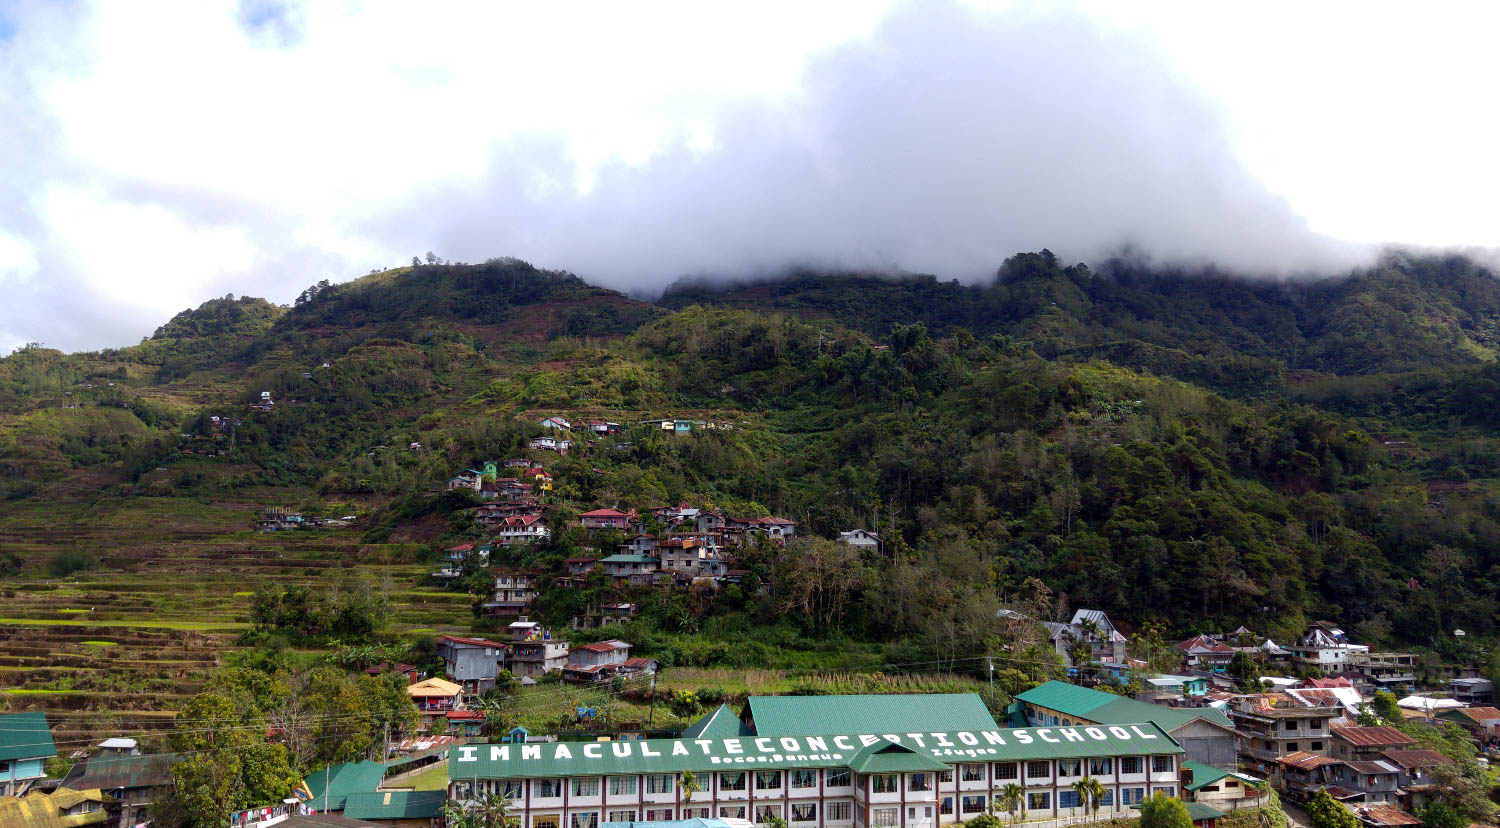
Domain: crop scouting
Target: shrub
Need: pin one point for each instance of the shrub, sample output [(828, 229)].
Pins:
[(75, 559)]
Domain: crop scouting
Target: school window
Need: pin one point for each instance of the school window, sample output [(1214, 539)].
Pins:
[(767, 780), (1130, 764), (1069, 767), (804, 779), (622, 816), (509, 788), (621, 786), (973, 804), (972, 773), (766, 813), (1038, 801), (1098, 767), (546, 788), (1006, 770), (658, 814), (1161, 764), (731, 812), (1067, 799), (1108, 800), (585, 786), (883, 782), (919, 782), (837, 778), (658, 783), (839, 811), (885, 817), (584, 819), (693, 813), (1038, 770), (945, 776), (732, 782), (1132, 796), (1164, 789), (549, 821), (804, 812), (946, 806)]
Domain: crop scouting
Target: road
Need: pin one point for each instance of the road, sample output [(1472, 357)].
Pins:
[(1295, 814)]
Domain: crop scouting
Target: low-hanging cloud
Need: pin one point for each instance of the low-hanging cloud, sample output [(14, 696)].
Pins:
[(940, 139)]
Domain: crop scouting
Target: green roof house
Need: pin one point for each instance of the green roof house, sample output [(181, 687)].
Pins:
[(331, 786), (25, 746), (400, 808), (720, 724), (814, 715), (1204, 732)]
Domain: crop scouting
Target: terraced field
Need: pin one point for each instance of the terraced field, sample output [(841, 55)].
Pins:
[(115, 651)]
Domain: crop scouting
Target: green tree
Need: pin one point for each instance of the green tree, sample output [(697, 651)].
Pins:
[(1443, 815), (1326, 812), (1243, 670), (483, 811), (1013, 800), (1464, 786), (1162, 811), (984, 821), (1385, 707)]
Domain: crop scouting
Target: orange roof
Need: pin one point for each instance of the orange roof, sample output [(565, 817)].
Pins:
[(1378, 735), (1302, 760)]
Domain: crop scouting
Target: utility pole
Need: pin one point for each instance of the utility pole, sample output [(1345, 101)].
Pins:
[(991, 662), (651, 716)]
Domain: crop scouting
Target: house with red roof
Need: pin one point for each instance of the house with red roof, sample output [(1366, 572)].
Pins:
[(1204, 653), (608, 519)]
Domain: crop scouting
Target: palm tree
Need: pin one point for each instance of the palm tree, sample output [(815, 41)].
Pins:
[(1013, 799), (687, 785), (1081, 789), (1095, 794), (483, 811)]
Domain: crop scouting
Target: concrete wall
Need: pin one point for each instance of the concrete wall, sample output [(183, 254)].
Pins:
[(1208, 743)]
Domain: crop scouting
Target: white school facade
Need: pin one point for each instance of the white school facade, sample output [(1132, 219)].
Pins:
[(888, 780)]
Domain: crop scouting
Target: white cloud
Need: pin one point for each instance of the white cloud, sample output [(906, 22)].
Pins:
[(267, 146)]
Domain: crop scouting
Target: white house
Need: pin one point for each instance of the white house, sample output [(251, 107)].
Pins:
[(861, 539)]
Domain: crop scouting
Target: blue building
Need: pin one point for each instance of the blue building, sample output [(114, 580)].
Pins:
[(25, 746)]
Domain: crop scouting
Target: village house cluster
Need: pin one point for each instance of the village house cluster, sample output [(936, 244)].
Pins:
[(1299, 735)]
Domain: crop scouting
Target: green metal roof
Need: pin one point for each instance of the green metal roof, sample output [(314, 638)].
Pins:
[(1198, 810), (1202, 774), (817, 715), (514, 761), (395, 805), (1107, 708), (348, 778), (889, 757), (113, 772), (720, 724), (25, 736)]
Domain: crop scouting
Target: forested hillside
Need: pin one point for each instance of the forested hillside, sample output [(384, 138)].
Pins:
[(1178, 447)]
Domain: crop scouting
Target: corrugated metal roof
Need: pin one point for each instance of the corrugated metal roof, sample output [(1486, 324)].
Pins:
[(1373, 735), (112, 772), (1385, 815), (669, 823), (1417, 758), (1202, 774), (395, 805), (720, 724), (348, 778), (889, 757), (1373, 767), (39, 810), (1303, 760), (25, 736), (1107, 708), (780, 752), (819, 715)]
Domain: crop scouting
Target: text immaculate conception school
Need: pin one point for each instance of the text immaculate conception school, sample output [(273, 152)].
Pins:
[(903, 761)]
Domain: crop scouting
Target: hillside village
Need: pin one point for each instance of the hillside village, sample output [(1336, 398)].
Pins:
[(1237, 718)]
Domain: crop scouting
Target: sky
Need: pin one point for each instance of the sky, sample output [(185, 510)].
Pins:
[(161, 154)]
